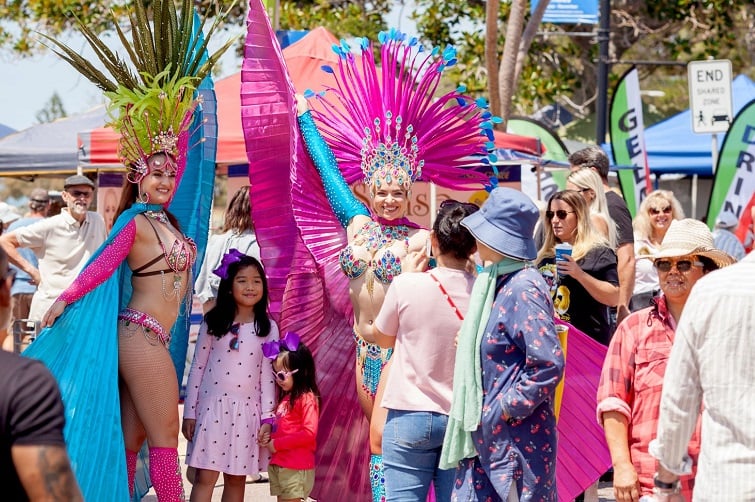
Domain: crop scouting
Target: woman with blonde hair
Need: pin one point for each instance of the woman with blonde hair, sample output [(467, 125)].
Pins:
[(653, 219), (588, 183), (584, 284)]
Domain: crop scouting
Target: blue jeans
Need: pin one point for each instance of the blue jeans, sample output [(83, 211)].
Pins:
[(411, 450)]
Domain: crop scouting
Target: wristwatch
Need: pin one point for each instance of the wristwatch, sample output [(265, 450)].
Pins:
[(663, 485)]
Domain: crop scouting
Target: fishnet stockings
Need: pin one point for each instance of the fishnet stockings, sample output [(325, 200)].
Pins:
[(149, 392)]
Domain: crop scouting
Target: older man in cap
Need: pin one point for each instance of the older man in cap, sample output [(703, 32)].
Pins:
[(724, 237), (62, 243), (629, 393)]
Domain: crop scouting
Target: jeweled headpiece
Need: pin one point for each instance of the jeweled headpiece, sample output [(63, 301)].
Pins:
[(388, 124), (153, 106), (152, 119)]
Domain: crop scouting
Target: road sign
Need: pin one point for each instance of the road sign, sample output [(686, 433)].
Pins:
[(710, 95)]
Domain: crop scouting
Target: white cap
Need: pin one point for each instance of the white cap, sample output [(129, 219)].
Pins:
[(726, 219)]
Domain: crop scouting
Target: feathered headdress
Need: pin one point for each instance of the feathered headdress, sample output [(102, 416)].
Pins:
[(388, 123), (152, 107)]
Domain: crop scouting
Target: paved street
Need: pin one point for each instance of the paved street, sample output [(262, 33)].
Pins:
[(260, 492)]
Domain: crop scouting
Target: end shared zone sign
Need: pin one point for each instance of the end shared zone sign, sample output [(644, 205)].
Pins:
[(710, 99)]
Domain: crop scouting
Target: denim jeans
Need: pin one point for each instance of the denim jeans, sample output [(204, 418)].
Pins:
[(411, 450)]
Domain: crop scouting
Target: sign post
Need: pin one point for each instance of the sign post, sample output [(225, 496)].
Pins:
[(710, 95), (710, 99)]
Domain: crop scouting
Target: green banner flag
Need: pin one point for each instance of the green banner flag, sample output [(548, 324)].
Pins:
[(628, 140), (734, 183)]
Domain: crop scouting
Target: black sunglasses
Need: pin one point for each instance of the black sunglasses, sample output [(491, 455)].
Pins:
[(78, 193), (234, 343), (656, 212), (681, 265), (561, 213)]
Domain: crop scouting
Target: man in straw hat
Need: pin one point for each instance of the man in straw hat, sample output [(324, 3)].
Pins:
[(712, 361), (630, 387)]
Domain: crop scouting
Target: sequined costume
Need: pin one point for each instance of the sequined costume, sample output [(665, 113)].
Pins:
[(300, 220), (88, 378)]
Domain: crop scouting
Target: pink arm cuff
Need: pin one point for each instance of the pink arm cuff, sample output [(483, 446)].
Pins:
[(101, 267), (613, 404)]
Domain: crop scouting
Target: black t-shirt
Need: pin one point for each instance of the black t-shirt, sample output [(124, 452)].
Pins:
[(573, 303), (31, 413), (620, 215)]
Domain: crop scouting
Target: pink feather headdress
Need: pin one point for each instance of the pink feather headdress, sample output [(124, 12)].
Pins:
[(389, 124)]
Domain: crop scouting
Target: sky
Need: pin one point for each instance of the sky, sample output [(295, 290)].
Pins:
[(27, 84)]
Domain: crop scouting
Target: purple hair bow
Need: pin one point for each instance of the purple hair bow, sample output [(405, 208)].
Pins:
[(232, 256), (290, 342)]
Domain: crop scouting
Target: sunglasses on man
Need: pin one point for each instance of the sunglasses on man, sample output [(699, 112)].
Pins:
[(681, 265), (78, 193)]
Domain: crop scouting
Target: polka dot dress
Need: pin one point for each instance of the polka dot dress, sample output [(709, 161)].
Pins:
[(229, 392)]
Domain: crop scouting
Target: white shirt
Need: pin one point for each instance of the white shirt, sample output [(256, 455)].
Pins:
[(645, 274), (63, 246), (711, 365), (206, 285)]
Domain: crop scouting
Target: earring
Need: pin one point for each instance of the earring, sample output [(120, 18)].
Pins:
[(143, 197)]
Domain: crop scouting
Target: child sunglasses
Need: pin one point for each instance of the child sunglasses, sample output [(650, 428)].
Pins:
[(282, 375)]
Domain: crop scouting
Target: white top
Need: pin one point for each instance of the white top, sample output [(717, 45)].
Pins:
[(645, 274), (711, 365), (62, 246), (206, 285), (425, 325)]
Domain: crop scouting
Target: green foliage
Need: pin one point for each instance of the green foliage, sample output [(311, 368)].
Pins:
[(344, 19), (558, 67)]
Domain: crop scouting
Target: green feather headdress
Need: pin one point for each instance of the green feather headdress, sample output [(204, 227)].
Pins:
[(152, 98)]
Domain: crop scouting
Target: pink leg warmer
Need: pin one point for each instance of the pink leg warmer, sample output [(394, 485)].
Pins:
[(165, 473), (130, 469)]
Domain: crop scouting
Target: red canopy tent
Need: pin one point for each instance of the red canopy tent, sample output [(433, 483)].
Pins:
[(304, 58)]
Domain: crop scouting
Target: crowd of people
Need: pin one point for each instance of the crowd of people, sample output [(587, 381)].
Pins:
[(457, 355)]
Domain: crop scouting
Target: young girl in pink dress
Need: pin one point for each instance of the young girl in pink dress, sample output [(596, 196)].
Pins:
[(231, 389), (293, 436)]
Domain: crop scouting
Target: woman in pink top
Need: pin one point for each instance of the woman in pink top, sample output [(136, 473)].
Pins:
[(419, 319)]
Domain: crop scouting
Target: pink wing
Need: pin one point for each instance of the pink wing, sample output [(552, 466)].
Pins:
[(300, 240), (582, 451)]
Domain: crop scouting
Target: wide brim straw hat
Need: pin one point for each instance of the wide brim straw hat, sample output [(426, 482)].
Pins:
[(506, 223), (690, 237)]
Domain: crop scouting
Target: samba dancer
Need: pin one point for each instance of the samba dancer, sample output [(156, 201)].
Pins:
[(146, 263), (393, 131)]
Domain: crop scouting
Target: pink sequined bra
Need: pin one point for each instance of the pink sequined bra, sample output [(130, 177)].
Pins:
[(182, 255), (374, 237)]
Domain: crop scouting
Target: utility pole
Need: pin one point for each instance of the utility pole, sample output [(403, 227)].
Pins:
[(604, 38)]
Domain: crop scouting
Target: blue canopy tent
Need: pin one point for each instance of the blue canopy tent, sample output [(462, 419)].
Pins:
[(674, 149), (5, 130)]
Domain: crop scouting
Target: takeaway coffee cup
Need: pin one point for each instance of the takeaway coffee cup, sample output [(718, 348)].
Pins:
[(562, 250)]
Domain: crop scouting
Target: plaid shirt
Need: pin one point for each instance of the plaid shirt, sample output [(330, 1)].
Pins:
[(631, 383)]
